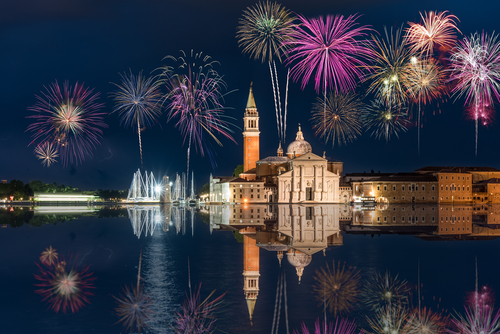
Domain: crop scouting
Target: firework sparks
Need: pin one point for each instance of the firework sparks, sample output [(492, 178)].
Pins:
[(482, 112), (388, 75), (197, 316), (425, 322), (475, 67), (478, 319), (46, 152), (425, 83), (64, 289), (390, 319), (195, 99), (479, 298), (383, 289), (137, 102), (49, 256), (337, 288), (68, 118), (384, 121), (264, 30), (332, 48), (134, 308), (343, 123), (438, 30), (342, 326)]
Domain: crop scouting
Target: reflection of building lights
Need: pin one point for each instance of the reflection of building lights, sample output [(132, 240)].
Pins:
[(245, 200)]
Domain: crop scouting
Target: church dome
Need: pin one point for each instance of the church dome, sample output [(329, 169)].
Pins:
[(299, 260), (299, 146)]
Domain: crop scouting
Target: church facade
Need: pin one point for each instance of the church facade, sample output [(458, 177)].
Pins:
[(300, 176)]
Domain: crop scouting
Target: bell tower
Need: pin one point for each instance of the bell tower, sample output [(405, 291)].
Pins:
[(251, 272), (250, 134)]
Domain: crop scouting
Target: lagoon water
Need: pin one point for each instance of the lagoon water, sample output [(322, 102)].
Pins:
[(199, 245)]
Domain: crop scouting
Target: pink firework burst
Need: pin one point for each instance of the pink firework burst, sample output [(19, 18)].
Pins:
[(64, 288), (437, 30), (69, 118), (483, 112), (332, 50)]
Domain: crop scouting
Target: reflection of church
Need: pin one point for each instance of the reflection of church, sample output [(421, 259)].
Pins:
[(299, 176), (293, 231)]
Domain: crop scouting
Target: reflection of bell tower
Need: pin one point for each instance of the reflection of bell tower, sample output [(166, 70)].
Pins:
[(250, 272), (250, 134)]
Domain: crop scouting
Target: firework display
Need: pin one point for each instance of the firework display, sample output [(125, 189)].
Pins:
[(342, 113), (197, 316), (338, 288), (137, 101), (383, 290), (342, 326), (62, 285), (384, 121), (68, 122)]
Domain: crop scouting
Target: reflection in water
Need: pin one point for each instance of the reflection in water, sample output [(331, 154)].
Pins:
[(344, 326), (384, 290), (426, 321), (63, 286), (337, 289)]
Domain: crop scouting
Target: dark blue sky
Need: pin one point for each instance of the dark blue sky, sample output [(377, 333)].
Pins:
[(92, 41)]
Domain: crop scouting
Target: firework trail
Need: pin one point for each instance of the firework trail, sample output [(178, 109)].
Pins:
[(475, 67), (388, 71), (337, 288), (47, 152), (280, 291), (343, 118), (384, 290), (342, 326), (425, 82), (384, 120), (437, 31), (63, 286), (137, 102), (195, 98), (332, 48), (134, 306), (264, 32), (68, 118)]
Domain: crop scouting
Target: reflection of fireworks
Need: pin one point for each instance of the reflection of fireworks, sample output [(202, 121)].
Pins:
[(137, 102), (479, 319), (475, 66), (197, 316), (425, 322), (382, 290), (390, 320), (330, 47), (263, 30), (338, 288), (389, 77), (134, 308), (64, 288), (342, 326), (483, 297), (196, 100), (47, 153), (49, 256), (437, 29), (70, 119), (384, 120), (342, 117)]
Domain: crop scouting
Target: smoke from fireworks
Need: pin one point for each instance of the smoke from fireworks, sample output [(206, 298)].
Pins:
[(384, 121), (437, 30), (343, 123), (137, 102), (63, 286), (69, 119), (337, 288), (264, 32), (475, 67)]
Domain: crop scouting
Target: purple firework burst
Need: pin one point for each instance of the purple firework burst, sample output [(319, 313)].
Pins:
[(69, 118), (342, 326), (331, 49)]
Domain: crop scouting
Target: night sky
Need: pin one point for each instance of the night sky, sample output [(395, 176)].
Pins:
[(92, 41)]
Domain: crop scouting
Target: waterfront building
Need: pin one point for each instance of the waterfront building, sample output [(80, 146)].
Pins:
[(299, 177)]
